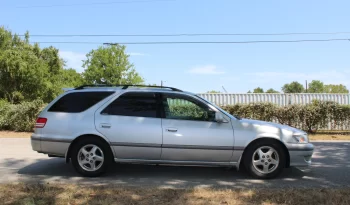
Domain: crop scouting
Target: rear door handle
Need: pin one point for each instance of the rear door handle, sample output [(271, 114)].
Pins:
[(105, 125), (171, 129)]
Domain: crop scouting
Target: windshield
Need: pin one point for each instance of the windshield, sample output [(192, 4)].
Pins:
[(217, 107)]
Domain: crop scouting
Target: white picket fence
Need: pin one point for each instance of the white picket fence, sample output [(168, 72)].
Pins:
[(278, 99)]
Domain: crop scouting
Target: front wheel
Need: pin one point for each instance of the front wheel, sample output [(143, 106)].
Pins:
[(264, 160), (90, 157)]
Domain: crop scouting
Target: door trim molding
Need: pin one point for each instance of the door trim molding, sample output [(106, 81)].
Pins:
[(175, 162), (173, 146)]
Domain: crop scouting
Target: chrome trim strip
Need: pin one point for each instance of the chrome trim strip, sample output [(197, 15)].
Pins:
[(172, 146), (130, 144), (175, 162), (55, 140)]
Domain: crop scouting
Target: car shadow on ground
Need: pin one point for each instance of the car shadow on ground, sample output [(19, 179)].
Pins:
[(56, 170), (330, 168)]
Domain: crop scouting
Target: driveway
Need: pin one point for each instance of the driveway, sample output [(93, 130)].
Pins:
[(18, 163)]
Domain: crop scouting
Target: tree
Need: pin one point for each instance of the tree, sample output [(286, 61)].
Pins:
[(28, 72), (336, 88), (316, 86), (110, 64), (271, 91), (293, 87), (258, 90), (249, 91), (213, 92)]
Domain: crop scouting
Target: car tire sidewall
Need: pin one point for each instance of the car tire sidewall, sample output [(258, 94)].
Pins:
[(107, 157), (249, 165)]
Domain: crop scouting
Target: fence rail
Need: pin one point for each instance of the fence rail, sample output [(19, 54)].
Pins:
[(278, 99)]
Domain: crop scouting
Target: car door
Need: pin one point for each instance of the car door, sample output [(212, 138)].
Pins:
[(132, 124), (190, 132)]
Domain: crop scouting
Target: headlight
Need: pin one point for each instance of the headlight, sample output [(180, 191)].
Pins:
[(301, 138)]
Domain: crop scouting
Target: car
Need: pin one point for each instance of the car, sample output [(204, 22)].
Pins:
[(93, 126)]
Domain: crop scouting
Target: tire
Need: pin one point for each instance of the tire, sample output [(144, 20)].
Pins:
[(265, 160), (91, 157)]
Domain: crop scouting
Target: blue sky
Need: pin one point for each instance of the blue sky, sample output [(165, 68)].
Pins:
[(199, 68)]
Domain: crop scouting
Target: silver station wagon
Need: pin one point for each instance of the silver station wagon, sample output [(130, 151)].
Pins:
[(95, 125)]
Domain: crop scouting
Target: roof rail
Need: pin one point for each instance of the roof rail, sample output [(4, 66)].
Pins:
[(126, 86), (93, 85), (150, 86)]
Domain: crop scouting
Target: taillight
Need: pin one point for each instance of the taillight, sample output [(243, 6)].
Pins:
[(40, 122)]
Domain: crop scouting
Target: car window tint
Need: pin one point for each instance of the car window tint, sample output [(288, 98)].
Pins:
[(133, 104), (185, 108), (78, 101)]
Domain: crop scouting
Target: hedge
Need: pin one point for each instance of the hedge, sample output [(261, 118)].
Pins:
[(310, 117), (19, 117)]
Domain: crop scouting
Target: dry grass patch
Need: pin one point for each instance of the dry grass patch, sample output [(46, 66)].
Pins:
[(329, 137), (11, 134), (73, 194)]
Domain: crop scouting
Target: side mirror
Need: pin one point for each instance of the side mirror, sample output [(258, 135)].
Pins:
[(219, 118)]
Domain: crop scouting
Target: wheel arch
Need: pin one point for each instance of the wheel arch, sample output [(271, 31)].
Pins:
[(77, 139), (264, 139)]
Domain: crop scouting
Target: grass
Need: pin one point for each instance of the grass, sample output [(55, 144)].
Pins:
[(321, 136), (75, 194)]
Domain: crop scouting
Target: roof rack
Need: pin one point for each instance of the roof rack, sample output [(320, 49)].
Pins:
[(126, 86)]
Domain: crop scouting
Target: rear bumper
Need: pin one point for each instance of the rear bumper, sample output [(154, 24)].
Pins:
[(300, 154), (51, 146), (36, 143)]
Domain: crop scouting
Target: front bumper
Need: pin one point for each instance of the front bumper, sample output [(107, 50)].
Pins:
[(300, 154)]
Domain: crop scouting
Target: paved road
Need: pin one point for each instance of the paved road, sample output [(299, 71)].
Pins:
[(18, 163)]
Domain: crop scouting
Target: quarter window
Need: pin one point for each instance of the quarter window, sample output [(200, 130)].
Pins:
[(78, 101), (133, 104)]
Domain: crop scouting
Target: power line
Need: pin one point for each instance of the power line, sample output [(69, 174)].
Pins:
[(89, 4), (194, 42), (185, 34)]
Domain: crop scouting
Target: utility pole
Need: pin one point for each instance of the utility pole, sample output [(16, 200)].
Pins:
[(161, 83), (306, 86)]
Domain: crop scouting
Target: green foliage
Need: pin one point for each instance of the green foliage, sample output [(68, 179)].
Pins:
[(213, 92), (258, 90), (336, 88), (293, 87), (316, 86), (19, 117), (28, 72), (271, 90), (110, 64), (310, 117)]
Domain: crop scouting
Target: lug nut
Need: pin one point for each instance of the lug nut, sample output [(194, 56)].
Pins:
[(91, 161), (263, 156), (267, 156), (265, 163), (269, 160), (262, 160), (91, 154)]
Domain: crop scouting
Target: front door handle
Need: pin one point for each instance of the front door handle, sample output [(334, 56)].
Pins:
[(171, 129), (105, 125)]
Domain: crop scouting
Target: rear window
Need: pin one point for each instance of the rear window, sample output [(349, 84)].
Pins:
[(78, 102)]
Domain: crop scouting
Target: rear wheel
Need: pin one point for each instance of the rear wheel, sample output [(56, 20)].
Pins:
[(91, 157), (264, 160)]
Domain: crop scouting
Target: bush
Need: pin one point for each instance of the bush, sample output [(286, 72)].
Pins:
[(19, 117), (310, 117)]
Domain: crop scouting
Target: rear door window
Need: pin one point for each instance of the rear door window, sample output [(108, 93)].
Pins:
[(78, 101)]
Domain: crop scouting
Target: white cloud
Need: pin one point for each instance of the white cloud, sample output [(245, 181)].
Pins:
[(73, 60), (205, 70), (328, 77), (136, 54)]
